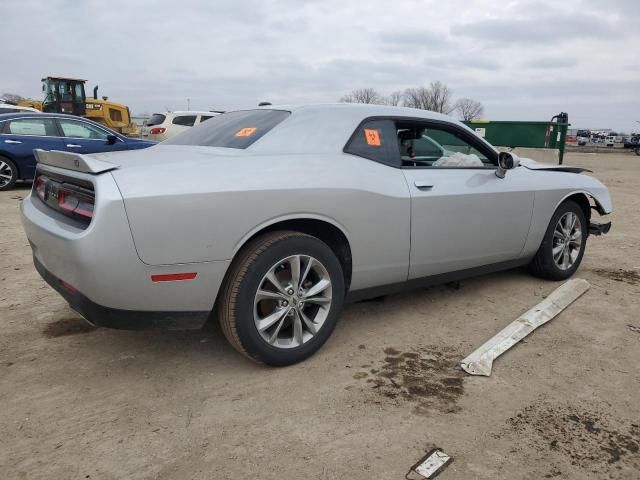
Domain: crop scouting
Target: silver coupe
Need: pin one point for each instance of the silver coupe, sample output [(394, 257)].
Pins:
[(270, 219)]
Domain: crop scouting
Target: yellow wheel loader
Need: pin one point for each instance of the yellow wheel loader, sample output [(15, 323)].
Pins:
[(66, 95)]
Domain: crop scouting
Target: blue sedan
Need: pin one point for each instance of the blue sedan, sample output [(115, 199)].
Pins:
[(21, 133)]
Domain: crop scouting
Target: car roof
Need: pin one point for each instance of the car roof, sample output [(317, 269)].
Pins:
[(188, 112), (28, 114), (18, 107), (325, 128), (361, 109)]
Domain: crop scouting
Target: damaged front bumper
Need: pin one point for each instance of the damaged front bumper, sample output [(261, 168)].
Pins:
[(599, 228)]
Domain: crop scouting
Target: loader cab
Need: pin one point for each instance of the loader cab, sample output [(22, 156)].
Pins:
[(64, 95)]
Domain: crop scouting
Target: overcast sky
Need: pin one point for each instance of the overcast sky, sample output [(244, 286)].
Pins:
[(524, 60)]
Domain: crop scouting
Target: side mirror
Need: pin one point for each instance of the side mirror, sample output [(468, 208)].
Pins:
[(506, 161), (111, 139)]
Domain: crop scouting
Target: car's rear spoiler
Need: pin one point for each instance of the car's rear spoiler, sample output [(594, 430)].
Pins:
[(73, 161)]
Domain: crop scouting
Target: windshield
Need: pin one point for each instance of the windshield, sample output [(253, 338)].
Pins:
[(231, 130)]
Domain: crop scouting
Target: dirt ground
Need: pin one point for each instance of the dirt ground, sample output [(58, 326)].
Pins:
[(79, 402)]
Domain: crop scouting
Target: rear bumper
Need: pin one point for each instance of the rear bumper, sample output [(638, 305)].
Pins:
[(116, 318), (107, 282)]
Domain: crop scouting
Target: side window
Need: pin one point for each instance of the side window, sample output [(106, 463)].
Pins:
[(429, 146), (205, 117), (73, 129), (43, 127), (185, 120), (376, 140)]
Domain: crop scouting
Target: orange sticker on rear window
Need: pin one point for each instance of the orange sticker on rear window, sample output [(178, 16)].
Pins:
[(245, 132), (372, 136)]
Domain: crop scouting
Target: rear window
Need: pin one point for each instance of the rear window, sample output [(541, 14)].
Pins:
[(156, 119), (231, 130), (185, 120), (205, 117)]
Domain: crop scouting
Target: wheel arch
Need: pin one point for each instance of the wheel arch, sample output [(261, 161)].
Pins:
[(325, 229), (584, 199)]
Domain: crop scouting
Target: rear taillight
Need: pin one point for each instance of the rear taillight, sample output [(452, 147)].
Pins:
[(157, 130), (74, 203), (72, 200), (40, 187)]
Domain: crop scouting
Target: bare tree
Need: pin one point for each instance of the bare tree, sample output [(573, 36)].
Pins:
[(394, 98), (469, 108), (417, 98), (363, 95), (11, 97), (440, 97), (436, 97)]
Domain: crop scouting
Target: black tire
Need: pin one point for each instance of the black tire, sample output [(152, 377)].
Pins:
[(637, 150), (543, 264), (236, 302), (6, 166)]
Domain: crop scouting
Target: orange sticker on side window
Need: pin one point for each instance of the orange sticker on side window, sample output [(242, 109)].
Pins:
[(372, 136), (245, 132)]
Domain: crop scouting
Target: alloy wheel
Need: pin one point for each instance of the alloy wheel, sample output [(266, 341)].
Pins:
[(6, 174), (293, 301), (567, 241)]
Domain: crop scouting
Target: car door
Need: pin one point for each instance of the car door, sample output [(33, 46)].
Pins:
[(84, 137), (462, 215), (20, 136)]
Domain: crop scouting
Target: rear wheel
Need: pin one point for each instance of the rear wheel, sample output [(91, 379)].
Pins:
[(8, 173), (563, 245), (282, 298)]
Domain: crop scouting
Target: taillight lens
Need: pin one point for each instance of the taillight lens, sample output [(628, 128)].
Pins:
[(157, 130), (73, 203), (40, 187), (71, 200)]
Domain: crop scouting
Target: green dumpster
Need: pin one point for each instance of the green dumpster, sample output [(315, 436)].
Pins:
[(551, 135)]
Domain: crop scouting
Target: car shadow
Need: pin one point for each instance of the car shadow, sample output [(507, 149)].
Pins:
[(23, 185), (206, 347)]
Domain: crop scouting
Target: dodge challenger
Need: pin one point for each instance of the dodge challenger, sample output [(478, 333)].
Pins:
[(270, 219)]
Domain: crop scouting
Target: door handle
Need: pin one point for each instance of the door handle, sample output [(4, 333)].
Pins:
[(73, 145), (12, 141), (425, 186)]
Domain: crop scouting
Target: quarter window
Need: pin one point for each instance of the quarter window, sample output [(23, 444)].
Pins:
[(376, 140), (185, 120), (43, 127), (205, 117), (73, 129)]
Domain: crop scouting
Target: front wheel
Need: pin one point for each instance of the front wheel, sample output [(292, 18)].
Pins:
[(281, 298), (8, 174), (562, 248)]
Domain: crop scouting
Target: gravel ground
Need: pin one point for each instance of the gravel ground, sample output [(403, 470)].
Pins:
[(79, 402)]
